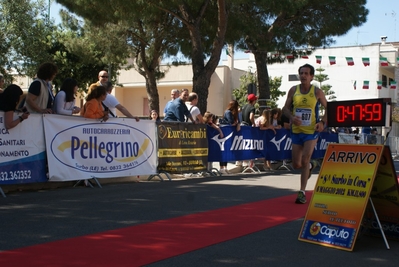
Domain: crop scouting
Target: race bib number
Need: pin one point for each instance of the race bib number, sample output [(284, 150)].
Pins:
[(305, 114)]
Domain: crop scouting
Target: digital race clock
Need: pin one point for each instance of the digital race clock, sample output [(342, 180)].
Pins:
[(354, 113)]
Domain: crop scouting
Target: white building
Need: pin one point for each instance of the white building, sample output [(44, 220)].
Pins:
[(342, 77)]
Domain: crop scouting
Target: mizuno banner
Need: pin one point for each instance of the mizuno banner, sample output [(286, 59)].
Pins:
[(252, 143)]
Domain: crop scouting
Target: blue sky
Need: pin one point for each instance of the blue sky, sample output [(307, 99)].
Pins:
[(383, 20)]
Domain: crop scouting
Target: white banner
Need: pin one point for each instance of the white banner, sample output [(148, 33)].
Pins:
[(79, 148), (22, 151)]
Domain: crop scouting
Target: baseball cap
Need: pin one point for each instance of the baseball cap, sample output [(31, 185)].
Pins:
[(252, 97)]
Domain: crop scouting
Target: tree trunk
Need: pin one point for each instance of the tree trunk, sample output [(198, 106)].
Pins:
[(152, 91), (263, 80), (202, 73)]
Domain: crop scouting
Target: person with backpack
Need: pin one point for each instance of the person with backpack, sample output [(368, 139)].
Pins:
[(192, 107)]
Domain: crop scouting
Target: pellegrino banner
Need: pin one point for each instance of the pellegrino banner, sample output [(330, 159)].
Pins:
[(22, 151), (79, 148)]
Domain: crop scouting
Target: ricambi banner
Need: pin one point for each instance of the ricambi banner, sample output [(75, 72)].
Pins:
[(252, 143), (22, 151), (79, 148), (182, 147)]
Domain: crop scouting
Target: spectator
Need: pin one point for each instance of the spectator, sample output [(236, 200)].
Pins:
[(192, 107), (372, 137), (248, 117), (173, 94), (102, 79), (230, 117), (64, 102), (285, 122), (154, 115), (263, 122), (210, 119), (178, 109), (40, 95), (8, 102), (113, 104), (93, 108), (248, 111), (276, 118)]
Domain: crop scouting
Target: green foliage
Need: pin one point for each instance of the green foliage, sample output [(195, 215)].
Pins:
[(148, 31), (272, 29), (320, 77), (25, 33), (241, 93)]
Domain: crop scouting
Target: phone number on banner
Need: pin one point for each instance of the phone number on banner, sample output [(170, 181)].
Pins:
[(15, 175)]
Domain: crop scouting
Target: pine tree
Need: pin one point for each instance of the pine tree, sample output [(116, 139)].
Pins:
[(330, 94)]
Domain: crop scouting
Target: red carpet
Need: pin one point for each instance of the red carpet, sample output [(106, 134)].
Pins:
[(148, 243)]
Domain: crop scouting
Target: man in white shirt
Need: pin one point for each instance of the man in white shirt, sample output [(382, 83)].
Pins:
[(113, 104), (192, 107)]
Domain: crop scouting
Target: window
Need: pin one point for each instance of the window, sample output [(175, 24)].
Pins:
[(384, 81), (293, 77)]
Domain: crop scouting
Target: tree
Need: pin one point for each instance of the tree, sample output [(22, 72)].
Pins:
[(330, 94), (240, 94), (133, 29), (25, 33), (197, 30), (206, 23), (273, 29)]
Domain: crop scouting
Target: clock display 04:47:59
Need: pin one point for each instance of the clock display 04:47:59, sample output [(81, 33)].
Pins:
[(368, 112)]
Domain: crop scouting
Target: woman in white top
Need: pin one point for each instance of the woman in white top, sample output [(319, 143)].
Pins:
[(276, 118), (64, 102)]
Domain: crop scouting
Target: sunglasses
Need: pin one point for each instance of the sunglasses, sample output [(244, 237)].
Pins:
[(104, 76)]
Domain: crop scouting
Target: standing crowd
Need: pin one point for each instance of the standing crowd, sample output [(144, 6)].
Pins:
[(100, 103), (300, 112)]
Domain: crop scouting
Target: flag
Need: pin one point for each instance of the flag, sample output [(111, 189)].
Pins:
[(305, 56), (393, 85), (332, 60), (397, 61), (318, 59), (228, 52), (354, 85), (383, 61), (366, 61), (349, 60), (379, 85), (365, 84)]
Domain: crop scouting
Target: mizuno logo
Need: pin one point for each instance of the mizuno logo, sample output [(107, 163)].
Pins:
[(221, 142), (277, 143)]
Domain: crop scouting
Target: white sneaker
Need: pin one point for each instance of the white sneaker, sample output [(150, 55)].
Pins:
[(223, 171)]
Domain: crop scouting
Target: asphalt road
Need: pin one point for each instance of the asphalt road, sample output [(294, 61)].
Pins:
[(35, 217)]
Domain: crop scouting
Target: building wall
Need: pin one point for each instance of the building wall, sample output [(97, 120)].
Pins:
[(133, 93), (341, 76)]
